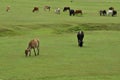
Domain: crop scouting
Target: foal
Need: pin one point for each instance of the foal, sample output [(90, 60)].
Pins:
[(33, 44)]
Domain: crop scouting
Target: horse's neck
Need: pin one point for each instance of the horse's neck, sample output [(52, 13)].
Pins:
[(28, 48)]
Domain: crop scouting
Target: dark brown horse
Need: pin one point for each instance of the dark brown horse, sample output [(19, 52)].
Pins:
[(66, 8), (35, 9), (78, 12), (111, 8), (33, 44), (47, 7)]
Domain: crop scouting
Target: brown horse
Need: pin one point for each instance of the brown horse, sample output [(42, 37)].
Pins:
[(35, 9), (46, 7), (78, 12), (33, 44)]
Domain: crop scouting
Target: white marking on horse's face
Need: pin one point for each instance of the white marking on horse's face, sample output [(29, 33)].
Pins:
[(27, 52)]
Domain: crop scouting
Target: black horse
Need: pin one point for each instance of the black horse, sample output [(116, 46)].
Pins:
[(66, 8), (111, 8), (71, 12), (80, 36), (114, 13), (102, 12)]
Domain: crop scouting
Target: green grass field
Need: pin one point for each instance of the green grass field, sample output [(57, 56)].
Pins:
[(60, 58)]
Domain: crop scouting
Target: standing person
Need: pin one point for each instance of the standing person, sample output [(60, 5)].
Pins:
[(80, 36)]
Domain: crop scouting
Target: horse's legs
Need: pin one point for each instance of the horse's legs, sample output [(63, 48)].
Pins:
[(81, 44), (34, 51), (78, 42), (81, 13), (30, 53), (38, 51), (73, 14)]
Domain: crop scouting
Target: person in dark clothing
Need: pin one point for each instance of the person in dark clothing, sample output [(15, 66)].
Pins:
[(80, 36)]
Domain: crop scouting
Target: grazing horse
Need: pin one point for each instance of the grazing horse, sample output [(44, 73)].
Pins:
[(47, 7), (80, 36), (114, 13), (66, 8), (109, 12), (71, 12), (35, 9), (7, 8), (57, 11), (33, 44), (78, 12), (111, 8), (102, 12)]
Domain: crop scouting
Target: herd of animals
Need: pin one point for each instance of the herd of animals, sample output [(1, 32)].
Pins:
[(110, 12), (58, 10), (34, 44)]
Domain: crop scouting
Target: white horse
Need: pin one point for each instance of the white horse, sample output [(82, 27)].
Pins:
[(109, 12), (57, 11)]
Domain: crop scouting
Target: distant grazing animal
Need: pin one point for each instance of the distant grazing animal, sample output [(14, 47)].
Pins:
[(35, 9), (66, 8), (111, 8), (114, 13), (78, 12), (7, 8), (57, 11), (33, 44), (71, 12), (102, 12), (109, 12), (47, 7), (80, 36)]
